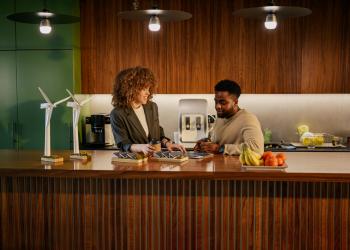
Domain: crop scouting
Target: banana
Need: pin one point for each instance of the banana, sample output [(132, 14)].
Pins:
[(255, 154), (241, 158), (247, 158), (254, 161), (244, 157)]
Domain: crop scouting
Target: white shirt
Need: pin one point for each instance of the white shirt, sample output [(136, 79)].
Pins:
[(140, 113)]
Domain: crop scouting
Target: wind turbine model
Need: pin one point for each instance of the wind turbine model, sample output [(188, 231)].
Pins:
[(48, 106), (75, 105)]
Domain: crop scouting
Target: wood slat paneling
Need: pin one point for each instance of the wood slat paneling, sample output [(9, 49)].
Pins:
[(90, 213)]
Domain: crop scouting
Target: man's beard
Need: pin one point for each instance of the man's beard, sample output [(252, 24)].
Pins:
[(226, 114)]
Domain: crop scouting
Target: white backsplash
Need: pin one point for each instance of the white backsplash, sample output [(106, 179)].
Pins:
[(281, 113)]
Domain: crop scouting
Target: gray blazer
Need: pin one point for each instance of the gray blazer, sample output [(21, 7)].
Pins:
[(128, 130)]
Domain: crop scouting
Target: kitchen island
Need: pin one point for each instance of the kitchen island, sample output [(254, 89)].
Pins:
[(200, 204)]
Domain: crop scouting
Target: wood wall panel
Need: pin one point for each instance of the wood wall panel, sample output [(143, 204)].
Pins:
[(324, 48), (303, 55), (278, 56), (90, 213), (188, 48), (110, 44), (233, 46), (346, 43)]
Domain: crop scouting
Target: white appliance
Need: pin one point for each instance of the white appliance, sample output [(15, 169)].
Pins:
[(193, 122)]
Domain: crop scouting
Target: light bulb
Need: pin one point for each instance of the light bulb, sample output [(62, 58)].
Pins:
[(271, 21), (45, 27), (154, 23)]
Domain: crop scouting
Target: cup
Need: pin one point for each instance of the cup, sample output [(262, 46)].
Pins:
[(156, 144), (176, 137), (336, 140)]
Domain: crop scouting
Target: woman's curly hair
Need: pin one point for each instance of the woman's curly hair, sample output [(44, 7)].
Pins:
[(129, 82)]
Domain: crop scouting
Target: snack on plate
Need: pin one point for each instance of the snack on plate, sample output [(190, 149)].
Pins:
[(129, 157)]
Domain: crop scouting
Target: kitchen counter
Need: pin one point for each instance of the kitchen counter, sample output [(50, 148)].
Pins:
[(302, 166), (206, 204)]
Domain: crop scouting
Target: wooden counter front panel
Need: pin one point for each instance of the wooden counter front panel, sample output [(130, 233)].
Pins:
[(89, 213)]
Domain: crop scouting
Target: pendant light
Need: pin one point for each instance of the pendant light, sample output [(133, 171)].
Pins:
[(43, 18), (155, 16), (272, 13)]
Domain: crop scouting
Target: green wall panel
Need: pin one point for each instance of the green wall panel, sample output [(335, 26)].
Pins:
[(7, 28), (52, 70), (29, 59), (62, 35), (8, 100)]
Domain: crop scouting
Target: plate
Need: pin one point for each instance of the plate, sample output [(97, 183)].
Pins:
[(199, 155), (264, 168)]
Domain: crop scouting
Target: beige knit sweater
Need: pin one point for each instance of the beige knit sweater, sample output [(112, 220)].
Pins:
[(232, 132)]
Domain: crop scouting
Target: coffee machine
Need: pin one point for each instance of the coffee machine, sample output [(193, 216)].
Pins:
[(97, 132)]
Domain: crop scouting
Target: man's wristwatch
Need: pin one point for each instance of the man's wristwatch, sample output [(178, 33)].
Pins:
[(222, 149)]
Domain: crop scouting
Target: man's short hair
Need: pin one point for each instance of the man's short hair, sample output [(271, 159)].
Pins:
[(230, 86)]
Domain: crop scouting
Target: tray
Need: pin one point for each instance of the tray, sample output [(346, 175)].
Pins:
[(265, 168), (137, 161), (199, 155), (164, 159), (324, 145)]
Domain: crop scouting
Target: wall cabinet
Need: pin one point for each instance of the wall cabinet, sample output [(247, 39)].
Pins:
[(8, 99), (303, 55)]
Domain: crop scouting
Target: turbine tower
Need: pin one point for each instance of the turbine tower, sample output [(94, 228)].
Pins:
[(75, 105)]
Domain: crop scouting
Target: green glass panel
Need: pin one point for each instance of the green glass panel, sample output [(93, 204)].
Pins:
[(52, 70), (7, 28), (8, 101), (62, 35)]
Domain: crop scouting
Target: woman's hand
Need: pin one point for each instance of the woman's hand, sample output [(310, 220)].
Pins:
[(146, 149), (170, 146)]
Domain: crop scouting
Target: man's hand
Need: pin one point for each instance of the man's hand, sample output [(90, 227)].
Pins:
[(197, 147), (146, 149), (209, 147)]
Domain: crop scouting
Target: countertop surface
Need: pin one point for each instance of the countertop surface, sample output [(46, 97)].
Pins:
[(302, 166)]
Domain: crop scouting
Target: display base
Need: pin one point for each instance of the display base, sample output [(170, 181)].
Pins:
[(80, 156), (52, 158)]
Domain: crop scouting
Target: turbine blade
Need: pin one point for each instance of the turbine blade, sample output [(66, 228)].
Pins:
[(60, 101), (44, 95), (86, 100), (75, 100)]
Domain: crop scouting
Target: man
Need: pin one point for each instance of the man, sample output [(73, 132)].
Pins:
[(234, 126)]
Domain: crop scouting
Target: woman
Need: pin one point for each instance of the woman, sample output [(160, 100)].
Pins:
[(134, 119)]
